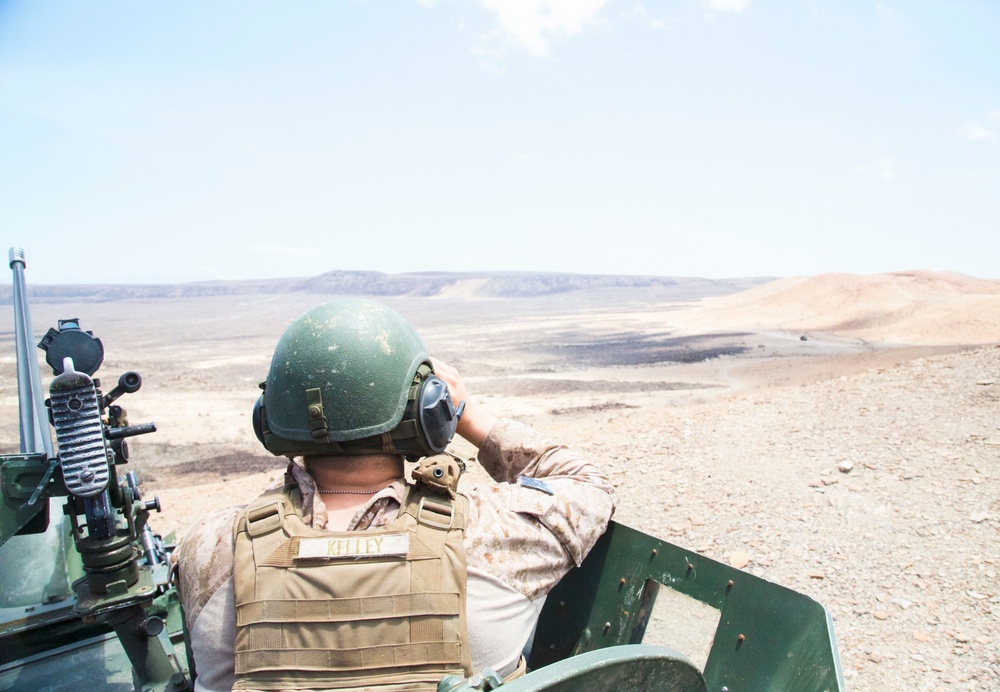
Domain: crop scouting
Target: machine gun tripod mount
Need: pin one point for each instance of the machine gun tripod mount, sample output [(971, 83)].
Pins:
[(125, 583), (91, 444)]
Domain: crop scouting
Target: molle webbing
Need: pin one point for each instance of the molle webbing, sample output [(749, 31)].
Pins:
[(373, 608)]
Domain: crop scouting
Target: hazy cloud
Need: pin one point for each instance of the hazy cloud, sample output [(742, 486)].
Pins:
[(886, 171), (532, 22), (727, 5), (489, 58), (637, 11), (883, 10), (973, 132)]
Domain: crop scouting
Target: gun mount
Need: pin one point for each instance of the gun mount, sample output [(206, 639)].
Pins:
[(66, 503)]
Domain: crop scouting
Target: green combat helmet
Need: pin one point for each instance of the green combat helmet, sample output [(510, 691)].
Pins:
[(353, 377)]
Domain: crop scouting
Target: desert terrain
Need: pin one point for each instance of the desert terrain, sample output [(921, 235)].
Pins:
[(839, 434)]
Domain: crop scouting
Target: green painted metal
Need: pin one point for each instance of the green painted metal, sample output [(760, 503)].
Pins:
[(92, 663), (20, 476), (74, 567), (768, 637), (625, 668), (39, 568)]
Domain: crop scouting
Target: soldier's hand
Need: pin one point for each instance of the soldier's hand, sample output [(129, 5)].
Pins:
[(476, 422)]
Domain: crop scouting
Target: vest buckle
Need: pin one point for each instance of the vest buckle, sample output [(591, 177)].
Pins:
[(264, 520), (439, 515)]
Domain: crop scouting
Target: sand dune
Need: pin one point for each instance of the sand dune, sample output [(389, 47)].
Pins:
[(915, 307)]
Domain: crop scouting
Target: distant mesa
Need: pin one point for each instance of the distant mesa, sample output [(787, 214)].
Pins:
[(418, 284), (910, 307)]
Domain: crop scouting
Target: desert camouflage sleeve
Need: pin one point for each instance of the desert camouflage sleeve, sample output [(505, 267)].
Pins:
[(205, 568), (529, 537), (205, 560)]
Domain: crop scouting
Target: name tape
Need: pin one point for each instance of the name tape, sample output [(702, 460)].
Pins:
[(395, 544)]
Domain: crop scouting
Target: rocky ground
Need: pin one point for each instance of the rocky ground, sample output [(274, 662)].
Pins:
[(866, 477), (876, 493)]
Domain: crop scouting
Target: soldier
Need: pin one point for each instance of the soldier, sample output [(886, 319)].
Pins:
[(356, 574)]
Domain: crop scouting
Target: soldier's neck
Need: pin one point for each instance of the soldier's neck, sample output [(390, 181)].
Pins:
[(355, 473), (353, 481)]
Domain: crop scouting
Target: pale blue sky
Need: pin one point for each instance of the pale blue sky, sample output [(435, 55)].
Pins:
[(179, 141)]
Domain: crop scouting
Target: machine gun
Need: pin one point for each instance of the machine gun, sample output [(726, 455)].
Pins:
[(78, 559)]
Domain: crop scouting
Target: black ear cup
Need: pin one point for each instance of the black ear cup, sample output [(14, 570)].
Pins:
[(258, 420), (437, 416)]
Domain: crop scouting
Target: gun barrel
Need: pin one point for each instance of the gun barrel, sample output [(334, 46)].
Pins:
[(34, 421)]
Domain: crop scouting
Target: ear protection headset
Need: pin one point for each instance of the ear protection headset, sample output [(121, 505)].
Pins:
[(427, 426)]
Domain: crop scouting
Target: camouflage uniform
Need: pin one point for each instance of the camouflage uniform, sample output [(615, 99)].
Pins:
[(522, 537)]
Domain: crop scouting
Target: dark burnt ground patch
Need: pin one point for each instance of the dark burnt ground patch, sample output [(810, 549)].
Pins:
[(208, 470), (640, 348), (538, 386), (592, 408)]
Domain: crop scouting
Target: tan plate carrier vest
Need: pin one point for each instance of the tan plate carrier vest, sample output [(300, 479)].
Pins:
[(383, 608)]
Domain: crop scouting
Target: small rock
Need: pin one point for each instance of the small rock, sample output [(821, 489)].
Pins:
[(830, 481), (921, 636), (845, 466), (983, 639), (875, 657), (986, 383), (817, 575), (979, 517), (696, 520), (880, 615), (739, 559)]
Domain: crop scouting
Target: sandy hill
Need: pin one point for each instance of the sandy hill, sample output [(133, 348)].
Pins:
[(914, 307)]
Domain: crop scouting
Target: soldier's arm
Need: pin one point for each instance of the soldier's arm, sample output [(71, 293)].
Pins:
[(476, 422), (528, 533), (509, 450), (205, 567)]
